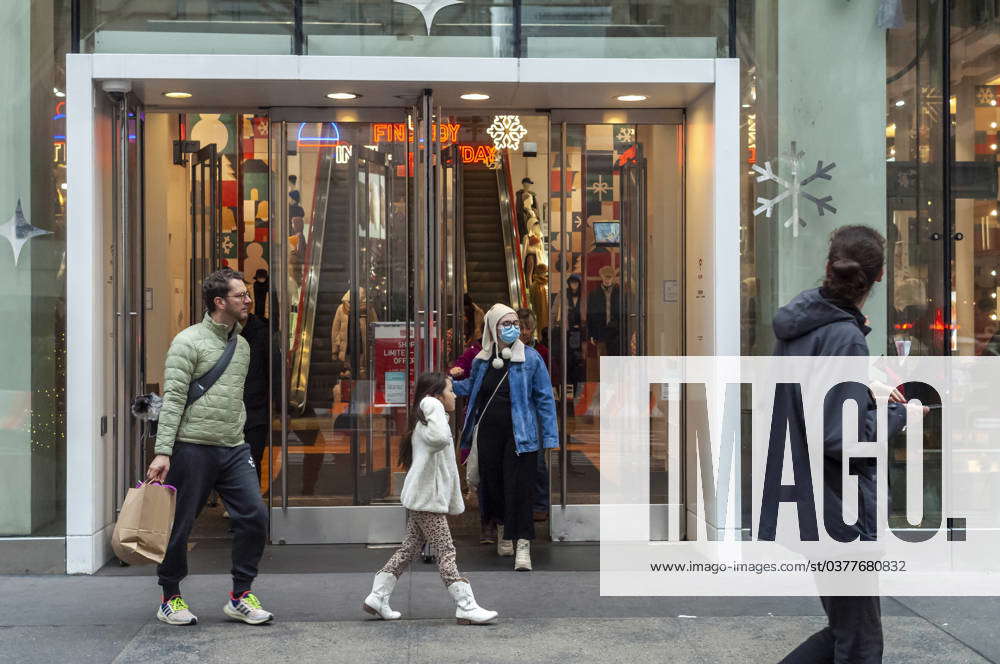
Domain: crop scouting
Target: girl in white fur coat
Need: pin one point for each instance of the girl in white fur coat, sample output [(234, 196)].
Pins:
[(431, 491)]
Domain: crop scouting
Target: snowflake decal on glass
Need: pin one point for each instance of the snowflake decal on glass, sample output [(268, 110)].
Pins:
[(506, 131), (793, 188), (930, 103), (626, 135), (18, 231), (985, 96), (599, 187)]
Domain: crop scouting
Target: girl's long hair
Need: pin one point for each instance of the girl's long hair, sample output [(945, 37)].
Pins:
[(430, 384)]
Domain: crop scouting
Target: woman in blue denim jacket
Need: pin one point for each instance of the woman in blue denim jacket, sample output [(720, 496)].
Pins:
[(511, 415)]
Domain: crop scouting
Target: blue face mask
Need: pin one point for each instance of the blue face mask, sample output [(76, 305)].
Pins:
[(510, 334)]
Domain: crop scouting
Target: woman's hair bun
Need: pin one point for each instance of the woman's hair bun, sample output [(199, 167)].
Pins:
[(855, 261)]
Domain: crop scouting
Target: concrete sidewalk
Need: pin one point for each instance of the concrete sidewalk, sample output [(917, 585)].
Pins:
[(547, 616)]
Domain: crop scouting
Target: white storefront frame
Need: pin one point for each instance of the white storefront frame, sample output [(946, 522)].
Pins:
[(712, 216)]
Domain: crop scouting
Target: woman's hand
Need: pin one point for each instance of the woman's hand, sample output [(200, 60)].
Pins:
[(456, 372)]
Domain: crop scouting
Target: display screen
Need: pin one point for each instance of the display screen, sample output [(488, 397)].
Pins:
[(607, 233)]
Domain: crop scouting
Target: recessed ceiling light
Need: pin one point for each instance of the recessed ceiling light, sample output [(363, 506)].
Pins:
[(342, 96), (177, 94), (631, 97), (474, 96)]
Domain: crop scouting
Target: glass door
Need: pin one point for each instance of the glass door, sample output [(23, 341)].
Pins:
[(128, 243), (616, 199), (345, 241)]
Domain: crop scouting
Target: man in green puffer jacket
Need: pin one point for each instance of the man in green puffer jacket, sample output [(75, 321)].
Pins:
[(200, 448)]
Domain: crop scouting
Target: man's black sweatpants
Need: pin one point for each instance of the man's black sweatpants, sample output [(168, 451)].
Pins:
[(853, 635), (195, 470)]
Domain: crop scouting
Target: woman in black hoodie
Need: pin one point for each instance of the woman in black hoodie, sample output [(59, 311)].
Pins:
[(827, 321)]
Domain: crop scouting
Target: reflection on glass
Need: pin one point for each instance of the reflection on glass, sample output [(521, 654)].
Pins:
[(625, 28), (168, 26)]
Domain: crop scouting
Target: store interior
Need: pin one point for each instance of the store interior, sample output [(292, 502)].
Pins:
[(346, 194)]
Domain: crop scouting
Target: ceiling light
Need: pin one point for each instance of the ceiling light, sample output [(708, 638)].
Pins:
[(993, 125), (746, 105), (900, 103), (177, 94), (474, 96), (631, 97), (342, 96), (59, 93)]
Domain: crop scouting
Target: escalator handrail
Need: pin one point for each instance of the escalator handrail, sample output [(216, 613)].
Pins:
[(511, 237), (309, 293)]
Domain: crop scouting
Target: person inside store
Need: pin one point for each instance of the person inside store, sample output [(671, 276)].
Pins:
[(261, 286), (431, 491), (509, 419), (604, 313), (257, 332), (827, 321), (540, 508), (200, 447)]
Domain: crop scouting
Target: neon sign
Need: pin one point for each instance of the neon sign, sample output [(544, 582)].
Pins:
[(483, 154), (344, 152), (398, 132), (308, 140)]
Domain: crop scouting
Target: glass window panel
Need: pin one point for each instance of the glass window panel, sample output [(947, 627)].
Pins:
[(168, 26), (625, 28)]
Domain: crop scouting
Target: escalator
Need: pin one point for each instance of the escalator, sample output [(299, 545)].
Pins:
[(493, 267), (324, 280), (334, 281)]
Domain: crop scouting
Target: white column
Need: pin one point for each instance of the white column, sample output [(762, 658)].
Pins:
[(87, 452)]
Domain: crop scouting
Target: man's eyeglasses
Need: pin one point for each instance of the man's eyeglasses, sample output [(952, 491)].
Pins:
[(245, 295)]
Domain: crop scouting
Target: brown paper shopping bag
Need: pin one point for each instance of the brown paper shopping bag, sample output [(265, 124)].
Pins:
[(143, 529)]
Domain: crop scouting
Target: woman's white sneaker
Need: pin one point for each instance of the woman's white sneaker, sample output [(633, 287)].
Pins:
[(247, 608), (175, 611), (522, 559)]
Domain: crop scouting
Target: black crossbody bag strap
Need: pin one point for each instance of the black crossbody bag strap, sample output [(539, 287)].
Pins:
[(200, 385)]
